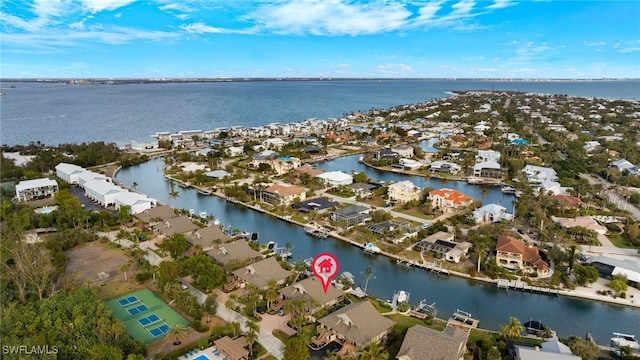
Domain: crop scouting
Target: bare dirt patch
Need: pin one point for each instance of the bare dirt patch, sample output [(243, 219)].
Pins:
[(88, 260)]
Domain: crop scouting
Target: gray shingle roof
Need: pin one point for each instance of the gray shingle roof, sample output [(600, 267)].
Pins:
[(359, 322), (263, 271), (422, 343)]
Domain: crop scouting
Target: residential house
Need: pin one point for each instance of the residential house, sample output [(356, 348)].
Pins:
[(549, 350), (69, 172), (274, 143), (567, 201), (363, 190), (583, 221), (263, 157), (262, 272), (423, 343), (161, 213), (310, 289), (283, 194), (385, 154), (217, 174), (590, 146), (308, 169), (492, 213), (353, 215), (232, 349), (487, 155), (358, 323), (284, 165), (234, 151), (449, 200), (88, 176), (177, 225), (623, 164), (488, 169), (317, 204), (101, 191), (514, 254), (408, 164), (403, 192), (538, 174), (191, 167), (442, 244), (208, 238), (445, 167), (608, 267), (403, 150), (519, 142), (236, 252), (336, 178), (34, 189)]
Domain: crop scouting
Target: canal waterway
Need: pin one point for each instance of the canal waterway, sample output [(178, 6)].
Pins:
[(566, 315)]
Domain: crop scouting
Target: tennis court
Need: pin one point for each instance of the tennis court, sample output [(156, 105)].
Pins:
[(145, 316)]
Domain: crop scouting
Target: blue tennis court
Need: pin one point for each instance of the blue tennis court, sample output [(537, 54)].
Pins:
[(145, 321), (138, 309), (159, 330), (127, 301)]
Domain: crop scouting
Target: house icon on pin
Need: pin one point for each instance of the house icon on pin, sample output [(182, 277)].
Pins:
[(325, 266)]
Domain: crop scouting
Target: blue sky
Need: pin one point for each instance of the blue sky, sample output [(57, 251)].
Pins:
[(320, 38)]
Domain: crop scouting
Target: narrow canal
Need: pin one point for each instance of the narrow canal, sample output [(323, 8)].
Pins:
[(568, 316)]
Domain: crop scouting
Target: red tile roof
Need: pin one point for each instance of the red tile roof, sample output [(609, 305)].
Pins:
[(567, 200), (457, 197), (530, 253)]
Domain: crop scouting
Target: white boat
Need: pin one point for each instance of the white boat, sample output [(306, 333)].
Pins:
[(403, 296), (371, 248), (619, 340), (203, 214)]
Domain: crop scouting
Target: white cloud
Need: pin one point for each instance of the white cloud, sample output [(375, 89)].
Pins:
[(95, 6), (626, 47), (595, 43), (202, 28), (500, 4), (331, 17), (394, 69)]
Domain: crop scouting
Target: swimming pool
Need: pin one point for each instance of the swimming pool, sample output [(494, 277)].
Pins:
[(202, 357)]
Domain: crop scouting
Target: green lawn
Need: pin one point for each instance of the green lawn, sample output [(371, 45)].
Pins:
[(149, 304), (620, 241)]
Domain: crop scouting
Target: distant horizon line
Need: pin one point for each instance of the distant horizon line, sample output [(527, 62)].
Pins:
[(300, 78)]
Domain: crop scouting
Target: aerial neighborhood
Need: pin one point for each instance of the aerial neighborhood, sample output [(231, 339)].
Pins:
[(523, 191)]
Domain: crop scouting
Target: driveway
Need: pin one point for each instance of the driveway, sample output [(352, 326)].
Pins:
[(273, 345), (272, 322), (613, 197)]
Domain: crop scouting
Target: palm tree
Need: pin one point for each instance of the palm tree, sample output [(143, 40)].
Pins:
[(374, 352), (230, 304), (270, 296), (368, 273), (287, 248), (513, 329), (235, 328), (124, 268), (251, 335), (178, 332), (173, 193), (481, 251)]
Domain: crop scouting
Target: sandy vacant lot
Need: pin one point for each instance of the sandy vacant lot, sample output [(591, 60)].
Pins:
[(88, 260)]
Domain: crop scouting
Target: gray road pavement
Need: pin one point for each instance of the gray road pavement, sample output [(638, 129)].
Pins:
[(614, 198)]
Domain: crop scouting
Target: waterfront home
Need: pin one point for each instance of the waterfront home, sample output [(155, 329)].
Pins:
[(408, 164), (208, 238), (492, 213), (549, 350), (423, 343), (363, 190), (567, 201), (69, 172), (274, 143), (263, 157), (236, 252), (357, 323), (403, 150), (444, 167), (283, 194), (261, 273), (442, 244), (538, 174), (351, 215), (514, 254), (35, 189), (177, 225), (449, 200), (217, 174), (549, 187), (403, 192), (488, 169), (608, 267), (583, 221), (284, 165), (385, 154), (102, 191), (320, 205), (161, 213), (487, 155), (136, 202), (310, 289), (336, 178), (190, 167), (308, 169)]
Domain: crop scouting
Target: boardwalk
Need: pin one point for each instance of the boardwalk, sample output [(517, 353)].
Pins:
[(523, 286)]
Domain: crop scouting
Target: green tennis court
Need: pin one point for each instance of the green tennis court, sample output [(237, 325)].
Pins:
[(145, 316)]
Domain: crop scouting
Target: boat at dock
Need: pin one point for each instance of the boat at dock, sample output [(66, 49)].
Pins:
[(371, 248), (403, 262), (399, 297), (463, 318), (318, 232), (619, 340), (204, 192)]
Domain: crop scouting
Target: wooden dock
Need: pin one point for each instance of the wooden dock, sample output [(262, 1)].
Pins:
[(463, 318), (523, 286), (435, 267)]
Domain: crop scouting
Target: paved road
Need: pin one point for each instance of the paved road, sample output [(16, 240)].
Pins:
[(613, 197), (273, 345)]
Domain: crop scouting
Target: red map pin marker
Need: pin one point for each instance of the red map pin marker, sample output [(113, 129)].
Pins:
[(325, 267)]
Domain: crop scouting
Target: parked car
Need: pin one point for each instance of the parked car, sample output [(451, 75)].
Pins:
[(281, 312), (183, 286), (261, 310), (520, 231)]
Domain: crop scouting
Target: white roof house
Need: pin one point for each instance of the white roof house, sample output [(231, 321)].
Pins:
[(492, 213), (539, 173), (88, 175), (32, 189), (137, 202), (487, 155), (336, 178), (102, 191), (624, 164), (404, 191), (589, 146), (69, 172)]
